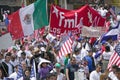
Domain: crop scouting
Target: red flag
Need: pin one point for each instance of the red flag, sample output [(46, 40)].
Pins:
[(66, 47), (63, 21), (15, 27)]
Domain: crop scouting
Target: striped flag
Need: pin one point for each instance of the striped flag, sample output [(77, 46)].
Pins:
[(66, 46), (33, 72), (98, 53), (112, 33), (115, 57), (20, 73)]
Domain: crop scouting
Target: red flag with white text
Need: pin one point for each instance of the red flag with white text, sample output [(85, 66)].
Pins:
[(63, 21)]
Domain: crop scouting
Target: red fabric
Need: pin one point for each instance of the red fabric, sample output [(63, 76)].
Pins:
[(14, 26), (103, 48), (42, 30), (107, 26), (92, 40), (84, 16)]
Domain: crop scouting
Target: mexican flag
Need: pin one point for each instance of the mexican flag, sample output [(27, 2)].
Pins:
[(27, 19)]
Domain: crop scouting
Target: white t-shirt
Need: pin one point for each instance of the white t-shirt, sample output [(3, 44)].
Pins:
[(13, 75), (112, 76), (60, 76), (106, 55), (28, 53), (19, 53), (78, 57), (94, 75), (83, 53)]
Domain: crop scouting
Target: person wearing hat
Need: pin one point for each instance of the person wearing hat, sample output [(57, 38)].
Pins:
[(57, 69), (44, 67)]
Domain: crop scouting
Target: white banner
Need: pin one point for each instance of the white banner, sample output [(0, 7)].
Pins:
[(92, 31), (50, 37), (5, 41)]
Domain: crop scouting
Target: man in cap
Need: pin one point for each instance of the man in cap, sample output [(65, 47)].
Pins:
[(57, 69)]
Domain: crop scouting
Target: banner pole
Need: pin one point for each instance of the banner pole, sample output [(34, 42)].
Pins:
[(65, 2)]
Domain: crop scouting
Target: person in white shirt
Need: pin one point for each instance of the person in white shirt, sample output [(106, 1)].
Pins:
[(29, 51), (117, 73), (22, 49), (7, 67), (14, 75), (105, 57), (111, 74), (95, 75)]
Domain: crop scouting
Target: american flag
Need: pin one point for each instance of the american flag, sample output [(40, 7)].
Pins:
[(115, 57), (20, 73), (66, 46), (33, 72)]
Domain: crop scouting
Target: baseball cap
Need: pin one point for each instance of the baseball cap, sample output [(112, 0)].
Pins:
[(57, 65)]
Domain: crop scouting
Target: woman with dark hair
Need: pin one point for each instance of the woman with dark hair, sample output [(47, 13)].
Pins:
[(27, 74), (44, 67)]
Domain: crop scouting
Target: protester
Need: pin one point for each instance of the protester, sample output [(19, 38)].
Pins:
[(44, 67), (71, 68), (95, 75), (112, 74), (105, 57), (45, 53), (91, 63), (57, 69), (27, 74), (6, 66), (118, 73), (14, 74)]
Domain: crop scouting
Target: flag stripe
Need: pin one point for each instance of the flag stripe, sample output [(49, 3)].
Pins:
[(33, 72), (66, 47), (114, 59)]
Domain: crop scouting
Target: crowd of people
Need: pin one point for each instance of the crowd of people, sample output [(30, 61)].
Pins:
[(83, 63)]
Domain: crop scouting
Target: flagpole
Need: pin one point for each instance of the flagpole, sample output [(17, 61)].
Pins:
[(65, 2)]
